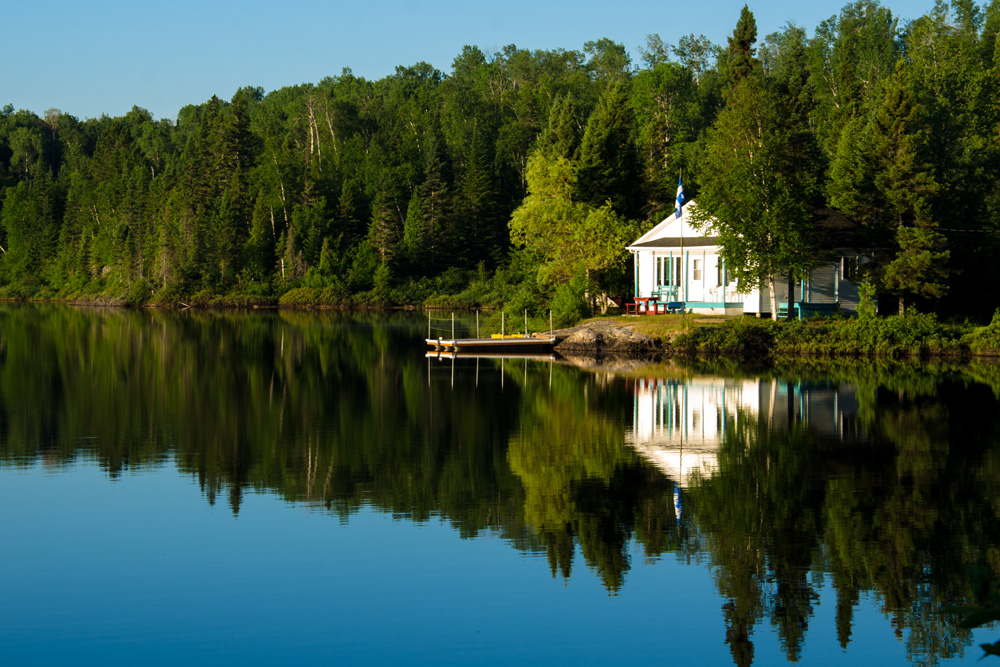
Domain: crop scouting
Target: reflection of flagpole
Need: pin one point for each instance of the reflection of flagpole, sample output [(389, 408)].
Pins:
[(678, 507)]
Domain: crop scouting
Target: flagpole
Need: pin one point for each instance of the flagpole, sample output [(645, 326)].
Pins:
[(680, 216)]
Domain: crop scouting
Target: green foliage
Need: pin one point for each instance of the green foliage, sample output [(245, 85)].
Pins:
[(867, 305), (382, 285), (313, 297), (422, 170), (567, 237), (607, 168), (759, 186), (894, 336)]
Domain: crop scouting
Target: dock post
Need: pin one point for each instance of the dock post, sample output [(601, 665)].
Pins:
[(502, 314), (477, 324), (428, 324), (453, 326), (550, 324), (525, 322)]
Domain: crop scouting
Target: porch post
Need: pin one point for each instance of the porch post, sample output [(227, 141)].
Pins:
[(670, 272), (635, 270), (836, 281)]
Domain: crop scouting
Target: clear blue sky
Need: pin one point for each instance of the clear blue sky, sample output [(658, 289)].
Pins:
[(106, 56)]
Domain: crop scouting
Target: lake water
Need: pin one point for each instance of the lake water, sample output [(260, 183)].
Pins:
[(275, 488)]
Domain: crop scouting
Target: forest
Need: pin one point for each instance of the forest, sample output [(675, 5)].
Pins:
[(517, 179)]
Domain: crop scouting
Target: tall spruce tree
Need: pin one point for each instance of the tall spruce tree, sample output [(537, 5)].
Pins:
[(608, 163), (740, 57), (907, 184)]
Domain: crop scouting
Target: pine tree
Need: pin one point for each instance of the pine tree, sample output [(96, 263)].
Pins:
[(740, 59), (561, 137), (351, 211), (484, 222), (384, 231), (442, 237), (907, 185)]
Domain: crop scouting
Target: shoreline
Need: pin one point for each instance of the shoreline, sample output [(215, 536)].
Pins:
[(656, 338)]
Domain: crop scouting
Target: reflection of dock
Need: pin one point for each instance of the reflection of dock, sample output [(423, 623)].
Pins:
[(503, 345), (490, 358)]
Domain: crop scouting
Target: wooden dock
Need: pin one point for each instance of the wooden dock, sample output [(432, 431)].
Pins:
[(505, 345), (492, 354)]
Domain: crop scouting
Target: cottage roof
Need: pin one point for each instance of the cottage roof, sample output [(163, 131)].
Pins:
[(674, 232), (678, 242), (831, 228)]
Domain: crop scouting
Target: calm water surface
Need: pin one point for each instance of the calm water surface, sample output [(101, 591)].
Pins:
[(278, 488)]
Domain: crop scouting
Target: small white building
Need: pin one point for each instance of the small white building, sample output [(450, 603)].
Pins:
[(682, 267)]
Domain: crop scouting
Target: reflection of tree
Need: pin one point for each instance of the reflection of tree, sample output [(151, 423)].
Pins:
[(338, 412), (898, 513), (582, 482), (324, 408), (758, 516)]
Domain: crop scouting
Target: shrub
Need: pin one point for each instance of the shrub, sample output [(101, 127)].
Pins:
[(985, 340), (382, 285), (569, 304), (740, 338)]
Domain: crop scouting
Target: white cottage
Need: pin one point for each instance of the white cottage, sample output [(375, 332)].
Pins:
[(679, 268)]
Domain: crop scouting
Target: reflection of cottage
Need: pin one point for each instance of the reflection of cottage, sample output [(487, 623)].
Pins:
[(683, 267), (679, 425)]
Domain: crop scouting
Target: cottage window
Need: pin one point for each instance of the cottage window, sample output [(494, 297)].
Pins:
[(697, 270), (724, 277)]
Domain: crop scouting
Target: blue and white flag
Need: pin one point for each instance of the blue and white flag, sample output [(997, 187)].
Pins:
[(680, 199)]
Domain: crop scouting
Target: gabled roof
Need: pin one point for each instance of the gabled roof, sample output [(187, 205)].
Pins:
[(831, 229), (678, 242), (674, 232)]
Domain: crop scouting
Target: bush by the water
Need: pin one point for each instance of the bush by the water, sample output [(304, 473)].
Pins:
[(569, 304), (895, 336), (986, 340), (742, 337)]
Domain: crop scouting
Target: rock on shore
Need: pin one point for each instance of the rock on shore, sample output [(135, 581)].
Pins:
[(605, 338)]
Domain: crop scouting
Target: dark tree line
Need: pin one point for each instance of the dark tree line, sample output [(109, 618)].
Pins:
[(360, 189)]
